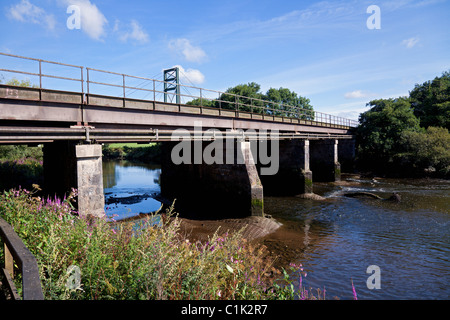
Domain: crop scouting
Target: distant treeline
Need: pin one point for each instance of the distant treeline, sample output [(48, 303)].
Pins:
[(408, 136), (149, 153), (279, 102), (20, 166)]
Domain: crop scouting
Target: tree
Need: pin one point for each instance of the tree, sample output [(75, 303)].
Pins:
[(426, 151), (378, 135), (287, 103), (202, 102), (21, 83), (431, 101), (247, 97), (244, 102)]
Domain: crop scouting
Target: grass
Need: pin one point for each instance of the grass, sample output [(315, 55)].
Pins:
[(130, 145), (132, 151), (118, 261)]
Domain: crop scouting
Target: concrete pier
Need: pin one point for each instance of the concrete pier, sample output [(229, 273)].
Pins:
[(209, 179), (346, 155), (324, 160), (67, 166), (228, 187), (294, 175)]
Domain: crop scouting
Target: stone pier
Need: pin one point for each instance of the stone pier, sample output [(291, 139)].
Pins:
[(228, 187), (294, 175), (68, 165), (346, 153), (324, 160)]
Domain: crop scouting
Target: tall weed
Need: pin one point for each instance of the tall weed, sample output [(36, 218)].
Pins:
[(128, 261)]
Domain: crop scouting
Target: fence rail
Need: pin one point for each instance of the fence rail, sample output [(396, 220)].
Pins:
[(87, 80), (16, 251)]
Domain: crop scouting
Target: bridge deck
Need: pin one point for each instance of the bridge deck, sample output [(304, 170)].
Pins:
[(24, 113)]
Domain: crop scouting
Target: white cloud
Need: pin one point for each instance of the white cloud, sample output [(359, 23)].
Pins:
[(356, 94), (191, 76), (92, 19), (136, 32), (191, 53), (28, 12), (411, 42)]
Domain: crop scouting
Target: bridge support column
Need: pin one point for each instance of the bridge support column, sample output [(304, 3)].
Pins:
[(324, 160), (228, 187), (67, 165), (346, 153), (294, 175)]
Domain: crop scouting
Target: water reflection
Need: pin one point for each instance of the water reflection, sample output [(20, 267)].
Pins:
[(130, 188)]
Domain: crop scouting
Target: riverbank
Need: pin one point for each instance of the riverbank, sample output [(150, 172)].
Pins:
[(126, 261), (145, 153)]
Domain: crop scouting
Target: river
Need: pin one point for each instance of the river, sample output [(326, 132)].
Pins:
[(336, 240)]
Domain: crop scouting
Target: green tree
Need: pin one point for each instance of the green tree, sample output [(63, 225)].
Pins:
[(287, 103), (244, 102), (248, 97), (380, 129), (202, 102), (426, 151), (21, 83), (431, 101)]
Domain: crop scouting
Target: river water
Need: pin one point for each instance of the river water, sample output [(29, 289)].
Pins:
[(336, 240)]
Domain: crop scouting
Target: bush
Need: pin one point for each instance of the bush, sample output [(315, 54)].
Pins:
[(379, 132), (22, 172), (426, 152), (126, 261), (134, 153), (20, 152)]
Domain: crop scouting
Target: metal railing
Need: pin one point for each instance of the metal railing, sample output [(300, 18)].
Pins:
[(207, 98), (16, 251)]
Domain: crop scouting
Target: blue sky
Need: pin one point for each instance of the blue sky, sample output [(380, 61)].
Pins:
[(322, 50)]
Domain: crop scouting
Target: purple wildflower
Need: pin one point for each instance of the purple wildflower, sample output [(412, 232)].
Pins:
[(355, 297)]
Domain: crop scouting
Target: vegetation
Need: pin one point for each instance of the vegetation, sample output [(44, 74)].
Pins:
[(20, 166), (431, 102), (283, 102), (408, 136), (426, 151), (125, 261), (132, 151), (20, 83)]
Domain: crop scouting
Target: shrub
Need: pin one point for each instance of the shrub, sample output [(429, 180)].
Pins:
[(426, 151), (136, 261), (23, 172)]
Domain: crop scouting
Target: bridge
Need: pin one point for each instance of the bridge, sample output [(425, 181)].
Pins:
[(74, 109)]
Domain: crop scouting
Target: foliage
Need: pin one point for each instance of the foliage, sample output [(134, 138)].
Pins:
[(141, 261), (20, 166), (392, 138), (380, 129), (247, 92), (426, 150), (13, 152), (288, 102), (142, 153), (23, 172), (431, 101), (21, 83), (283, 102)]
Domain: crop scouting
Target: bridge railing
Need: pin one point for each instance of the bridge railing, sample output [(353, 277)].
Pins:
[(89, 81)]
